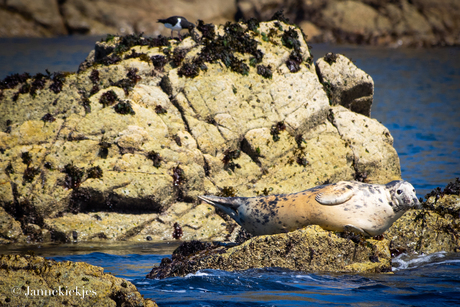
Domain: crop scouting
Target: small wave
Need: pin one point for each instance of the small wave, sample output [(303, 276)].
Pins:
[(197, 274), (403, 262), (172, 291)]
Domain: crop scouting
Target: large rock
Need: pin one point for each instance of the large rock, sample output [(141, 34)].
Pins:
[(148, 124), (26, 279), (310, 249), (346, 84), (433, 229), (375, 22)]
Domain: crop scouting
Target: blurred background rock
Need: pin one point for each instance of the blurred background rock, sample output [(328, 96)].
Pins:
[(415, 23)]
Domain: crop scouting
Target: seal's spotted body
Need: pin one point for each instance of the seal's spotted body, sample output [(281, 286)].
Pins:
[(347, 205)]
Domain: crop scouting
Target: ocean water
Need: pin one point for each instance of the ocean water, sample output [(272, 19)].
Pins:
[(417, 96), (416, 281)]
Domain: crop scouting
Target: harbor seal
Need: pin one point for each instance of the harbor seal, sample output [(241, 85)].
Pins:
[(369, 209)]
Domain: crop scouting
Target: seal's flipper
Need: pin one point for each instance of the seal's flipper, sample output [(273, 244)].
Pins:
[(356, 230), (335, 194), (229, 205)]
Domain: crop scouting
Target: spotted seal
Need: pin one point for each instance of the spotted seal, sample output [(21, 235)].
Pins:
[(369, 209)]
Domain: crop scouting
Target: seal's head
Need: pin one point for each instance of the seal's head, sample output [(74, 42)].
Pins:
[(402, 195)]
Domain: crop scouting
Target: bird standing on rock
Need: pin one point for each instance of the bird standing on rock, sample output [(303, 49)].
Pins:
[(176, 23)]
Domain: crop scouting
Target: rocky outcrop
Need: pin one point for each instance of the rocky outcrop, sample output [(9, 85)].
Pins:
[(121, 149), (391, 23), (433, 229), (38, 281), (310, 249), (37, 18)]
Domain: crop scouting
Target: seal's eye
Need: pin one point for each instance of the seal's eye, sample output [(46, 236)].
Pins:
[(399, 192)]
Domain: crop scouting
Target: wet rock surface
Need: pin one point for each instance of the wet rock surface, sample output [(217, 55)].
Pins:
[(310, 249), (28, 279), (148, 124), (432, 229)]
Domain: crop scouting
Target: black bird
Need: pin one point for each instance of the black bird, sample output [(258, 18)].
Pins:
[(176, 23)]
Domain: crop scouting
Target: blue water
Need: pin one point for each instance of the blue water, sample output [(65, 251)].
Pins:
[(417, 96), (419, 281)]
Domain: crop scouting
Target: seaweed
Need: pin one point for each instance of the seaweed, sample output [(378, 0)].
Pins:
[(13, 80), (128, 41), (293, 63), (48, 165), (290, 39), (25, 88), (330, 58), (38, 83), (177, 234), (228, 158), (133, 76), (223, 47), (253, 24), (190, 70), (141, 56), (108, 98), (104, 149), (86, 103), (279, 15), (178, 176), (9, 169), (58, 79), (207, 30), (109, 60), (29, 173), (155, 157), (452, 188), (275, 130), (158, 41), (160, 110), (124, 108), (178, 56), (159, 61), (127, 84), (108, 38), (227, 192), (48, 118), (26, 157), (94, 172), (94, 89), (94, 76), (264, 71), (74, 176)]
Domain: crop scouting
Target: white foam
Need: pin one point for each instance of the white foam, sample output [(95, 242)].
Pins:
[(172, 291), (197, 274), (403, 262)]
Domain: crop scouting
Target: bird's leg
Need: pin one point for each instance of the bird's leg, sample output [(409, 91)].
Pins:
[(172, 34)]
